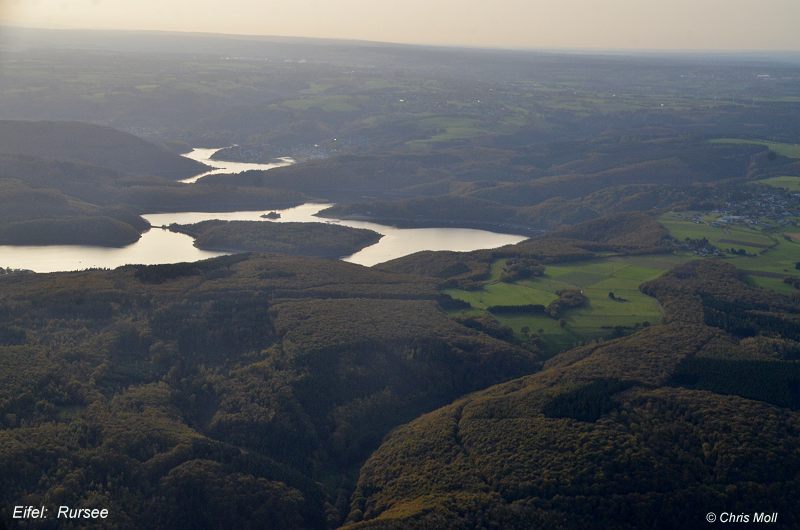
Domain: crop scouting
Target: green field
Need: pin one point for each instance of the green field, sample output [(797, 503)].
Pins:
[(596, 278), (769, 268), (446, 129), (724, 236), (788, 150), (773, 255), (786, 183)]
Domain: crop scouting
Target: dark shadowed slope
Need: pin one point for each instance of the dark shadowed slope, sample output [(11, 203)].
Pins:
[(73, 183), (94, 145)]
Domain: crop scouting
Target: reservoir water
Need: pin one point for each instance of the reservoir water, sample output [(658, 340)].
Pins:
[(220, 167), (162, 246)]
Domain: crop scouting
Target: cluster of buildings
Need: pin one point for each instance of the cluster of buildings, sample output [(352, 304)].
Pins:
[(760, 209)]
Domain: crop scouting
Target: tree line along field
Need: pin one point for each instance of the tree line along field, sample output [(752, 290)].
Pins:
[(771, 254), (600, 317), (786, 182), (767, 257), (769, 268), (783, 149)]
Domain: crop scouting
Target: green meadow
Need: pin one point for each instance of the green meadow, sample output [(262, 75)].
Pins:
[(727, 236), (596, 278), (446, 128), (769, 268), (771, 255)]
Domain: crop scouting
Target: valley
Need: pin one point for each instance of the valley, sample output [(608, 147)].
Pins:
[(416, 287)]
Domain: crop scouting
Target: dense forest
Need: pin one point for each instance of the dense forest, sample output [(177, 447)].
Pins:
[(249, 388), (87, 144), (296, 239), (269, 380), (183, 394)]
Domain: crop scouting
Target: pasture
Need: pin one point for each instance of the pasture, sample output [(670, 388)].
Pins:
[(601, 317), (720, 234), (772, 254)]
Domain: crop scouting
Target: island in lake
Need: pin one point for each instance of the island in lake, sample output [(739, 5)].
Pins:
[(297, 239)]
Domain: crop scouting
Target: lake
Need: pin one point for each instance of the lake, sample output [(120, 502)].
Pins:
[(221, 167), (161, 246)]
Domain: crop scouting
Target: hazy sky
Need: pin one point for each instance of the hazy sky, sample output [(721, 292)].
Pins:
[(637, 24)]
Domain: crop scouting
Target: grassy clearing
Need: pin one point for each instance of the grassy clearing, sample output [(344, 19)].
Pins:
[(768, 268), (772, 254), (786, 183), (596, 278), (724, 236), (446, 129), (504, 294), (788, 150)]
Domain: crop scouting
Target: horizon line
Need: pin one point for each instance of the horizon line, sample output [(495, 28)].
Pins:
[(542, 49)]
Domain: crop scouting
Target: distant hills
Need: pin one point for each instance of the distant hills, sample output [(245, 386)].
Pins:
[(77, 183), (93, 145)]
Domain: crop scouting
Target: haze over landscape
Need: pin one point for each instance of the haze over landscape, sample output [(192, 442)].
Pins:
[(587, 24), (352, 265)]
